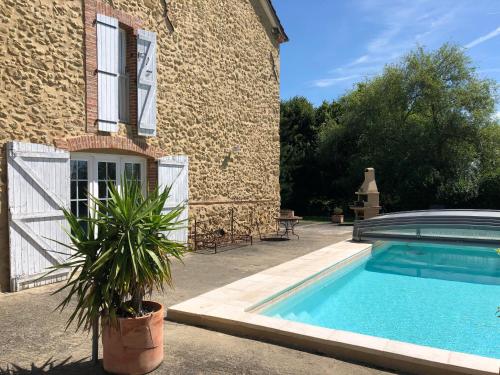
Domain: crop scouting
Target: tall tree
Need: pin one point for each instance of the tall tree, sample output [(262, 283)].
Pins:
[(298, 143), (421, 125)]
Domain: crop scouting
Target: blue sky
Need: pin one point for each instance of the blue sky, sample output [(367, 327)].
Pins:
[(336, 43)]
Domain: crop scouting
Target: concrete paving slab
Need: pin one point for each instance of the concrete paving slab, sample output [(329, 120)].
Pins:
[(33, 338)]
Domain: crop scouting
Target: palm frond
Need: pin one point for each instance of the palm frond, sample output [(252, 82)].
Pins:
[(122, 252)]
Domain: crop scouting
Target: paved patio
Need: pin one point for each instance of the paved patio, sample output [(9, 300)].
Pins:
[(33, 338)]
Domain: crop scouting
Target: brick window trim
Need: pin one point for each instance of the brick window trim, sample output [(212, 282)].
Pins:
[(121, 144), (131, 25), (106, 142)]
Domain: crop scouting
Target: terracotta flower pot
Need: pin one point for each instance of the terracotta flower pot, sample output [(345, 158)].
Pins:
[(136, 345), (338, 219)]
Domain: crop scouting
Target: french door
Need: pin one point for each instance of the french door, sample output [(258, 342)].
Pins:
[(92, 173)]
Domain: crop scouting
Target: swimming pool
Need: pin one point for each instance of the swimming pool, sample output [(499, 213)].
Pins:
[(443, 296)]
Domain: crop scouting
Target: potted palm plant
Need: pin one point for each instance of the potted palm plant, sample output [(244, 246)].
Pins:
[(121, 253), (338, 215)]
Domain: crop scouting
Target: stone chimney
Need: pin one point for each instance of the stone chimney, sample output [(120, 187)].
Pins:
[(368, 202)]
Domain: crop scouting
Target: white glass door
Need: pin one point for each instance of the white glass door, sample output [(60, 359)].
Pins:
[(133, 171), (92, 173), (79, 188), (106, 174)]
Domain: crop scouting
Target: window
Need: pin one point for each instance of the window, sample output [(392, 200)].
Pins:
[(133, 171), (91, 173), (125, 85), (79, 188), (123, 78), (106, 174)]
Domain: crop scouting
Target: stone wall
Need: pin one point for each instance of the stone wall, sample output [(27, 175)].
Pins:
[(216, 90)]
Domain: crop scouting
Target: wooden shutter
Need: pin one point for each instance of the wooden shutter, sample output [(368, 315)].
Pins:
[(123, 79), (146, 83), (107, 73), (173, 172), (38, 187)]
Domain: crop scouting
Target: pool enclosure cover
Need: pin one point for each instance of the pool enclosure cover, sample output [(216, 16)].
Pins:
[(480, 226)]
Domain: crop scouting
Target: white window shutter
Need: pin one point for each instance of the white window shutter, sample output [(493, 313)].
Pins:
[(107, 73), (123, 79), (173, 173), (38, 187), (146, 83)]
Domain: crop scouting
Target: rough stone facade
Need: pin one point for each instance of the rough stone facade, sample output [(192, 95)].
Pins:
[(218, 90)]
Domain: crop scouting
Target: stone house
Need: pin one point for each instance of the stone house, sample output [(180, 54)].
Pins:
[(170, 92)]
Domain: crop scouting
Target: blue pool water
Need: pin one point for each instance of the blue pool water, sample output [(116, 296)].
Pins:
[(428, 294)]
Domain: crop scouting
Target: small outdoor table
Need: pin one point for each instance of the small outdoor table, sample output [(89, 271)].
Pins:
[(288, 223)]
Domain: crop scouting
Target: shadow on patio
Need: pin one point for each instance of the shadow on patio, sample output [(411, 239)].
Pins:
[(52, 366)]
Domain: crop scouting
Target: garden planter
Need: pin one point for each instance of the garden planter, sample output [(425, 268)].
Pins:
[(337, 219), (136, 345)]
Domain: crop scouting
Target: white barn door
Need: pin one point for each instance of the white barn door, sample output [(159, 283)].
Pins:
[(173, 171), (38, 187)]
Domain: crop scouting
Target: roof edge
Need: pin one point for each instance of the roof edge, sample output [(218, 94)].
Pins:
[(275, 21)]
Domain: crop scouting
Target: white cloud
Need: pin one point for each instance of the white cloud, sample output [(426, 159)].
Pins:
[(496, 116), (360, 60), (403, 25), (327, 82), (384, 39), (399, 26), (368, 61), (442, 20), (483, 38)]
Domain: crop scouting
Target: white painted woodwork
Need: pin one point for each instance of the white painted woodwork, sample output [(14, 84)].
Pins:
[(38, 187), (107, 73), (173, 173), (93, 159), (123, 79), (146, 83)]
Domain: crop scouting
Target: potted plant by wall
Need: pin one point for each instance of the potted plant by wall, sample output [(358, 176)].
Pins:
[(338, 215), (120, 255)]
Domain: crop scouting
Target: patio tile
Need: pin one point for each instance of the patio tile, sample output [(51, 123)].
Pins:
[(264, 321), (361, 341), (195, 305), (488, 365), (308, 330), (418, 351)]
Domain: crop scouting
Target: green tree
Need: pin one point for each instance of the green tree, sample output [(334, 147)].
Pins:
[(302, 185), (327, 113), (489, 185), (422, 125), (298, 143)]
